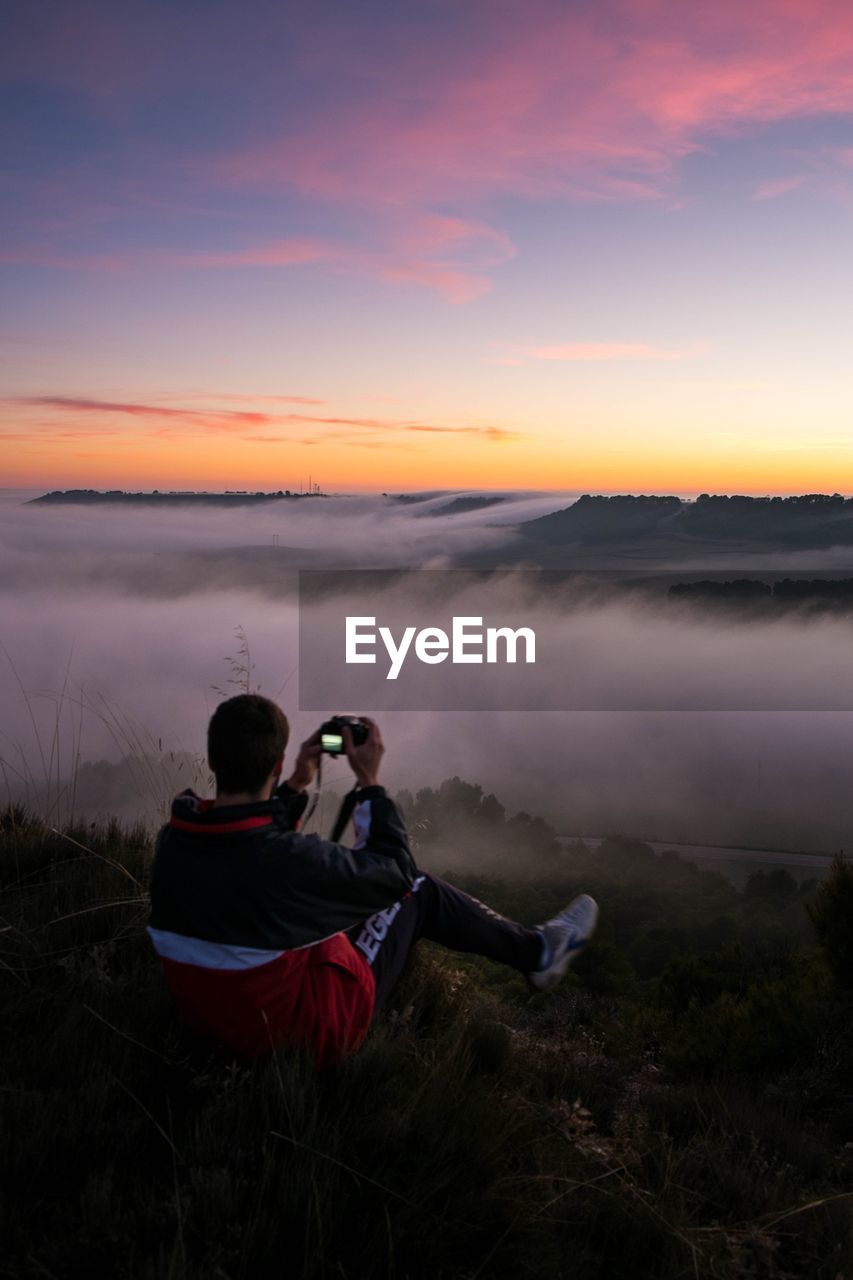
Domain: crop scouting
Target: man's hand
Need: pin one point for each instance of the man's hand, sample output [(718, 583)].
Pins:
[(364, 759), (307, 761)]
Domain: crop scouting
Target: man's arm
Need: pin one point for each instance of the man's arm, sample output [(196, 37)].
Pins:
[(343, 884), (293, 805), (378, 868)]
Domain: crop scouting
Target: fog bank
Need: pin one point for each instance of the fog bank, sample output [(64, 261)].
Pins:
[(144, 656)]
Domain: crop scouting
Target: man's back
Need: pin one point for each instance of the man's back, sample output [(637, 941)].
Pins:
[(247, 916)]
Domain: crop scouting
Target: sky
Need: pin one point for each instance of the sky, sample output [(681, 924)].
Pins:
[(543, 245)]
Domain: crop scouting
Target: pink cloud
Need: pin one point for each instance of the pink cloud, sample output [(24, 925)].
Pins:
[(406, 259), (779, 187), (277, 440), (496, 434), (596, 105), (457, 286), (586, 351), (165, 421), (433, 233), (251, 398), (222, 419), (420, 139), (421, 254), (593, 105), (276, 253)]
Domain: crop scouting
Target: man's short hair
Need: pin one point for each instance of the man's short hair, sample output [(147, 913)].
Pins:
[(246, 737)]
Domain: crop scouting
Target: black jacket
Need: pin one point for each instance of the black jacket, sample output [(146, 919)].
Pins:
[(242, 875)]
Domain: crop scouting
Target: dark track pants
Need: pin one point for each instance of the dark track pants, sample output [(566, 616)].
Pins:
[(437, 911)]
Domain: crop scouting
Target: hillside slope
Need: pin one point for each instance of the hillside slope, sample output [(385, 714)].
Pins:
[(679, 1107)]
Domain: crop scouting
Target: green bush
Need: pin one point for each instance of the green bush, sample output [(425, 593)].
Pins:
[(832, 916), (480, 1132)]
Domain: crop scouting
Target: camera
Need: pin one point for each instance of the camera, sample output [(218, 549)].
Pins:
[(331, 739)]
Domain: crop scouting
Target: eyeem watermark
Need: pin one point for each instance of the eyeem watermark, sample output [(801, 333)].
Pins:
[(468, 642), (547, 641)]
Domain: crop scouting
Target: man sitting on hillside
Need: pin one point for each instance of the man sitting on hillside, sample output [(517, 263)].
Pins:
[(269, 936)]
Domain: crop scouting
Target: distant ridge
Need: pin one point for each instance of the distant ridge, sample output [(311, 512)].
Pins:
[(183, 497), (807, 520)]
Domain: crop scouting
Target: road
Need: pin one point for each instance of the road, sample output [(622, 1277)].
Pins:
[(716, 853)]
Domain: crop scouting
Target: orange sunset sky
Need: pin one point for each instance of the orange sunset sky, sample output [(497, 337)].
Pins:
[(585, 247)]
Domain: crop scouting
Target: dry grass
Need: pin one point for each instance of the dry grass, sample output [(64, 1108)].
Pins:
[(478, 1133)]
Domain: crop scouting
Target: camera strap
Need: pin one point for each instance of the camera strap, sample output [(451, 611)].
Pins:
[(312, 805), (344, 814)]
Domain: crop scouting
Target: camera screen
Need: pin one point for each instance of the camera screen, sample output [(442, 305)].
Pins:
[(331, 742)]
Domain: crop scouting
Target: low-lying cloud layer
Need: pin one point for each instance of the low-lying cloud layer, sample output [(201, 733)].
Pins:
[(123, 623)]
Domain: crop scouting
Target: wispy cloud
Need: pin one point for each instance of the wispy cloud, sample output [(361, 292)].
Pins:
[(166, 421), (496, 434), (408, 257), (276, 253), (411, 146), (779, 186), (227, 397), (208, 419), (286, 440), (578, 104), (600, 351)]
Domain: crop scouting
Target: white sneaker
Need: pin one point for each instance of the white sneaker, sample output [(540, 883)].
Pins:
[(563, 939)]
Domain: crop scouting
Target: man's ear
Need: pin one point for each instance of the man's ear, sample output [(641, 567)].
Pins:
[(278, 766)]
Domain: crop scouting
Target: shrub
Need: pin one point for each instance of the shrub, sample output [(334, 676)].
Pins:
[(832, 916)]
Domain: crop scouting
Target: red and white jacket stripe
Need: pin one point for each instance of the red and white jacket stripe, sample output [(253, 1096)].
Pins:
[(248, 918)]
